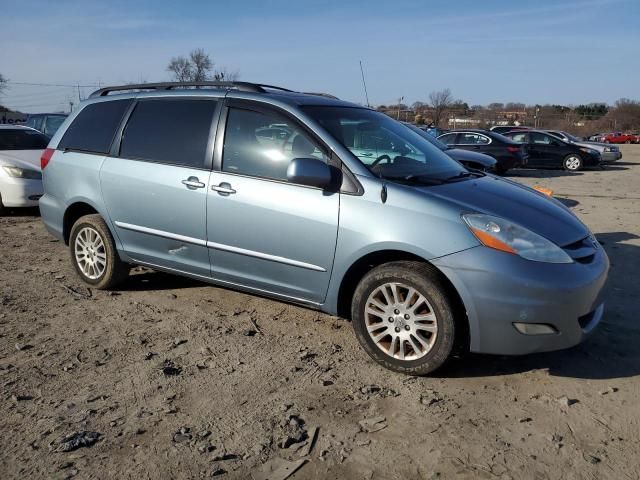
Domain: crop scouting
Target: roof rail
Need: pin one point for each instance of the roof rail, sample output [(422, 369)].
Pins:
[(243, 86)]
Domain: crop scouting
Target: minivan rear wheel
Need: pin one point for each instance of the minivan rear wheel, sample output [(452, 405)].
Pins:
[(94, 255), (403, 317)]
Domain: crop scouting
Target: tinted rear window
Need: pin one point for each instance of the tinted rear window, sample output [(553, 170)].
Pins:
[(19, 139), (169, 131), (94, 127)]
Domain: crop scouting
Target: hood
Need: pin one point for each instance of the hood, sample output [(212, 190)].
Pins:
[(593, 145), (468, 156), (519, 204), (21, 158)]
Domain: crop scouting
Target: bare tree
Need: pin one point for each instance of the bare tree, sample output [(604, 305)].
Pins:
[(440, 102), (181, 69), (201, 65), (3, 83), (224, 75), (198, 67)]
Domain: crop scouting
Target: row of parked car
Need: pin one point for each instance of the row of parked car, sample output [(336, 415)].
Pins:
[(503, 148), (615, 137)]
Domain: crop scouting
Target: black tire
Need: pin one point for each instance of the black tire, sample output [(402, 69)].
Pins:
[(2, 210), (572, 162), (426, 281), (115, 270)]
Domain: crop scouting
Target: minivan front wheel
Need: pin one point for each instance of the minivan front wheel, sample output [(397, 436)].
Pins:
[(94, 255), (403, 317), (573, 163)]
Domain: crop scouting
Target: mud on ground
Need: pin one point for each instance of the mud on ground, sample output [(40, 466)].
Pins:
[(171, 378)]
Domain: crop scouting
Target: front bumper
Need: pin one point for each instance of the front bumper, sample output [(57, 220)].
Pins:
[(609, 157), (499, 289), (20, 192)]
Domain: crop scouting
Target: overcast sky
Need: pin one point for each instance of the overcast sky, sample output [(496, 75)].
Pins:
[(546, 51)]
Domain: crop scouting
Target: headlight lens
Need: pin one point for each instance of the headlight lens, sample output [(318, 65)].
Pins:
[(607, 149), (589, 151), (503, 235), (18, 172)]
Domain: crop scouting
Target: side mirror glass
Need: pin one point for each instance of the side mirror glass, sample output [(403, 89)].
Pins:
[(309, 171)]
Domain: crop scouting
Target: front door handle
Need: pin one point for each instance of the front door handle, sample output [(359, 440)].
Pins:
[(192, 183), (223, 189)]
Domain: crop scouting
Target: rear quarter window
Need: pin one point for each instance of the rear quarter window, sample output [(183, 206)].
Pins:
[(169, 131), (95, 126)]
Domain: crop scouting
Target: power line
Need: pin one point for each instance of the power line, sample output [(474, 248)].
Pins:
[(52, 84)]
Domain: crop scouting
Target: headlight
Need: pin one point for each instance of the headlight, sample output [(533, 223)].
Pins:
[(18, 172), (589, 151), (503, 235)]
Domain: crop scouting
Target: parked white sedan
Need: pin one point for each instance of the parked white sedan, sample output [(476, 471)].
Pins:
[(20, 174)]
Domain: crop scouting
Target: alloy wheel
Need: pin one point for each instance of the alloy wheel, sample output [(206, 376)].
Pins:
[(401, 321), (572, 163), (90, 253)]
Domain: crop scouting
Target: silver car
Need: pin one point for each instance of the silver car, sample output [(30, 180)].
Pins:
[(266, 190), (609, 153)]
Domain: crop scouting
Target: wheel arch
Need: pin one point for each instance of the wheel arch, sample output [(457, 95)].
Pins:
[(364, 264), (72, 213)]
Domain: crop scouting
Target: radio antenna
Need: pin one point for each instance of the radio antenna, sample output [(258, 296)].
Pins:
[(364, 84)]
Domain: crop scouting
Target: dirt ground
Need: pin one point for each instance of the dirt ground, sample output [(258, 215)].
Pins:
[(171, 378)]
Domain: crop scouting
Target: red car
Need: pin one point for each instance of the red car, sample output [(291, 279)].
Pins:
[(619, 137)]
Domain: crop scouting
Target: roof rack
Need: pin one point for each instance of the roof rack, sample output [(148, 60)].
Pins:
[(243, 86)]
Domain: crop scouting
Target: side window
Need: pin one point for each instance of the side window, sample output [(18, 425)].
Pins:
[(470, 138), (449, 138), (263, 144), (540, 139), (51, 124), (169, 131), (519, 137), (34, 122), (94, 127)]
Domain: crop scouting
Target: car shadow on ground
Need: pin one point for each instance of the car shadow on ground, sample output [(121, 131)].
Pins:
[(539, 173), (568, 202), (20, 212), (150, 280), (616, 167), (611, 352)]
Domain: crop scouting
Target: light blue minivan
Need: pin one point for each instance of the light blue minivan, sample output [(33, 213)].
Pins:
[(323, 203)]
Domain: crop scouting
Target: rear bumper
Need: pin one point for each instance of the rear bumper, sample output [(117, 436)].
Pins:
[(500, 289), (19, 192), (52, 214)]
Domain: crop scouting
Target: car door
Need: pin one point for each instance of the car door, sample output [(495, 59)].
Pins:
[(547, 151), (265, 233), (155, 183)]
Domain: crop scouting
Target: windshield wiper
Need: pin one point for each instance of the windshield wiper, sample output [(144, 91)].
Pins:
[(415, 178), (464, 174)]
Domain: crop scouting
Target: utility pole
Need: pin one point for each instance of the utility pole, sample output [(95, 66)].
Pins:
[(70, 106), (399, 103)]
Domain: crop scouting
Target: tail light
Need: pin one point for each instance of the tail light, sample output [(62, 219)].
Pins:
[(511, 149), (46, 156)]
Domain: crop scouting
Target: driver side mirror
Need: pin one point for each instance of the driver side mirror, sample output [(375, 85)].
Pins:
[(310, 172)]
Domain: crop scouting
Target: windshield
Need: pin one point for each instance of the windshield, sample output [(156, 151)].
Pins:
[(573, 138), (387, 148), (18, 139)]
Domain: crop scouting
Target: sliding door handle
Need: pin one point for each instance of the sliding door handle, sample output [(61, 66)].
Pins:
[(223, 189)]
